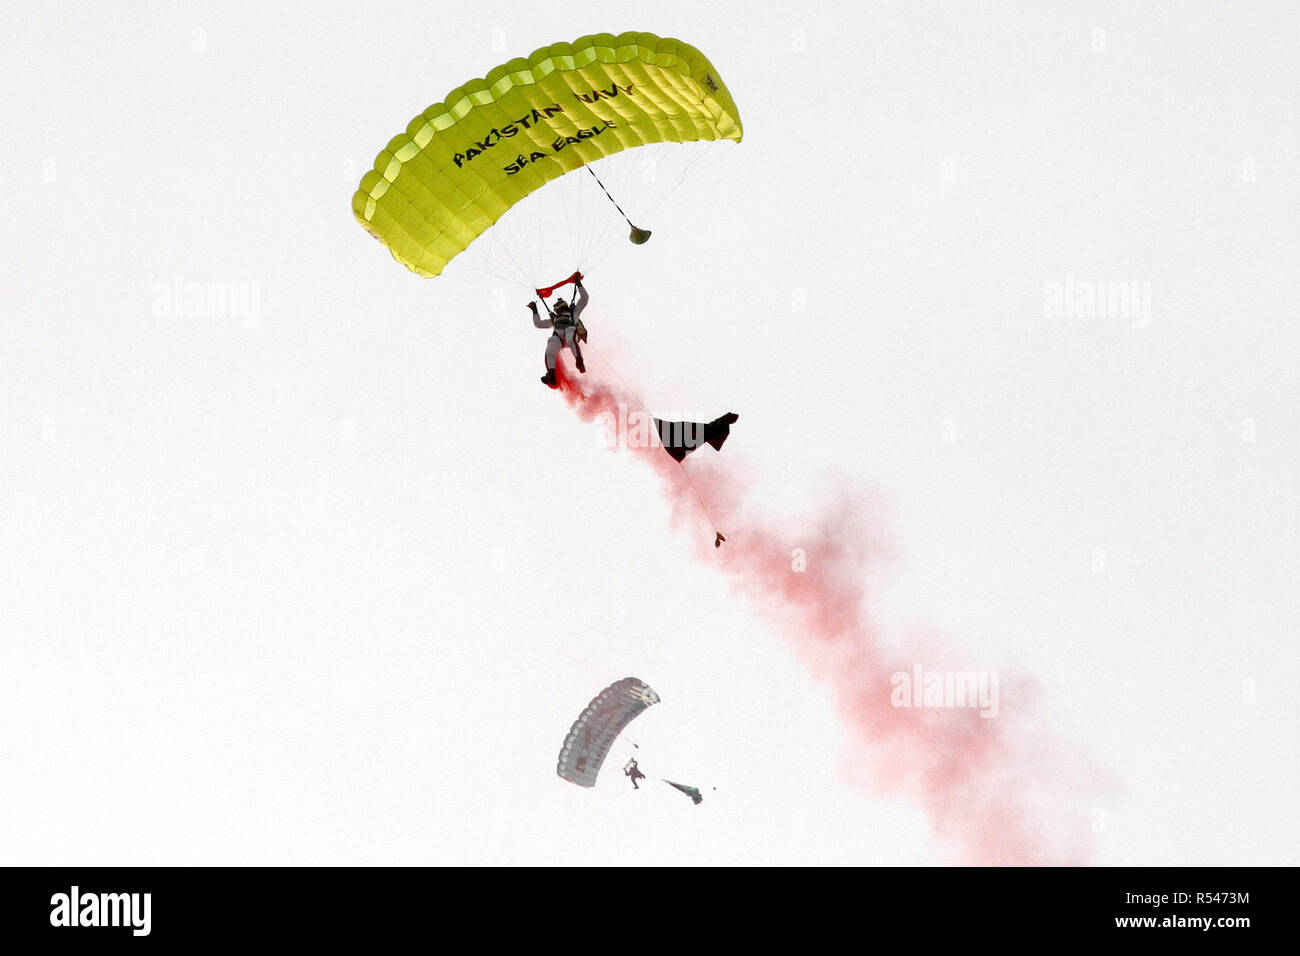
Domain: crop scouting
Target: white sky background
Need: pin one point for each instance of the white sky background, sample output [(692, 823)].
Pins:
[(329, 584)]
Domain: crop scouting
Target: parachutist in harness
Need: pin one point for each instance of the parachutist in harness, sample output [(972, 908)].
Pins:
[(631, 770), (567, 331)]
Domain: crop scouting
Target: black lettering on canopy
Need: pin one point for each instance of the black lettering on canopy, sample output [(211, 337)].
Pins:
[(495, 135), (586, 133), (602, 94)]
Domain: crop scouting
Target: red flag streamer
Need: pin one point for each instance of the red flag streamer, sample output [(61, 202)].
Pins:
[(543, 293)]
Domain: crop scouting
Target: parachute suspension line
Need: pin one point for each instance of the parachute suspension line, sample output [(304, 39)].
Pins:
[(637, 236), (719, 537), (505, 253), (574, 222), (607, 195)]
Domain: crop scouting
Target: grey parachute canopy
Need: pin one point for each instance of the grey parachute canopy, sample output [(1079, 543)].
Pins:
[(594, 732)]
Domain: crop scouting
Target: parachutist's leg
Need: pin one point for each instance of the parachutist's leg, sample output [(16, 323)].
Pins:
[(571, 343), (552, 350)]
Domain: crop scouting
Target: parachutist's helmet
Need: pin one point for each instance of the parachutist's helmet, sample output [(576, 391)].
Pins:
[(561, 305)]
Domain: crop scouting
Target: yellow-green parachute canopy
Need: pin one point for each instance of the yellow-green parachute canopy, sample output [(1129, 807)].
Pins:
[(464, 162)]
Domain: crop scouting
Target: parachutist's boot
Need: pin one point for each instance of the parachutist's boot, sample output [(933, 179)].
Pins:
[(582, 367), (549, 380)]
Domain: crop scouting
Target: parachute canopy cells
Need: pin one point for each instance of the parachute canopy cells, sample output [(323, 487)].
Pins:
[(595, 730), (464, 162)]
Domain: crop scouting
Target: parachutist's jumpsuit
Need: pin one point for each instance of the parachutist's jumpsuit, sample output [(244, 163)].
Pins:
[(635, 773), (565, 331)]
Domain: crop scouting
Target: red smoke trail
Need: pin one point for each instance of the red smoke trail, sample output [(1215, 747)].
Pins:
[(997, 791)]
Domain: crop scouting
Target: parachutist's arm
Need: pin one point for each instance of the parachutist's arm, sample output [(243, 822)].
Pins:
[(582, 300), (541, 323)]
